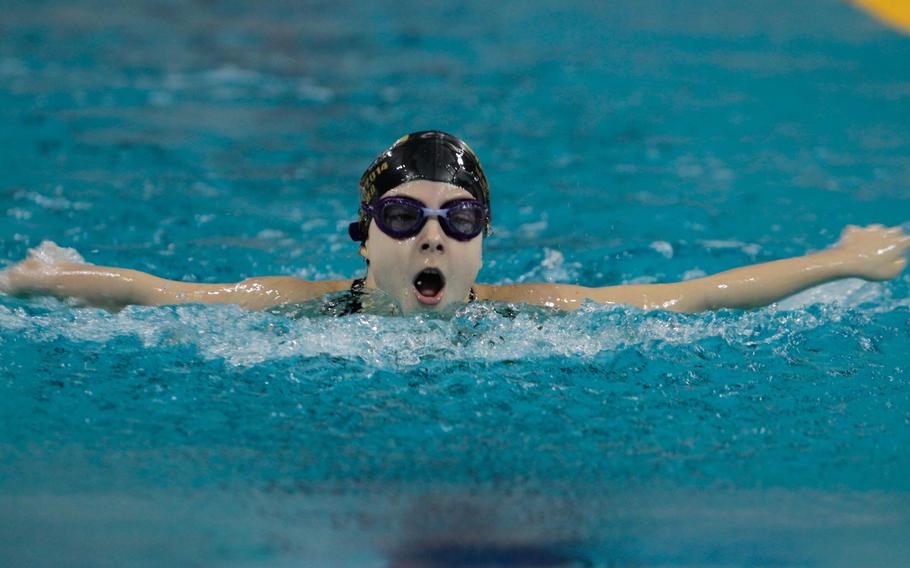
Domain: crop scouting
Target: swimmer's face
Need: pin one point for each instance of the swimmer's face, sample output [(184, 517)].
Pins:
[(399, 267)]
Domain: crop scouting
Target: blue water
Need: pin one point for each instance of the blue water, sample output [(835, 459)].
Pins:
[(624, 142)]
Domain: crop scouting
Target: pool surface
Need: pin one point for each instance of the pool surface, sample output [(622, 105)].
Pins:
[(625, 142)]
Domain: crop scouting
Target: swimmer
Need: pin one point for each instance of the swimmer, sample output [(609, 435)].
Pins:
[(425, 210)]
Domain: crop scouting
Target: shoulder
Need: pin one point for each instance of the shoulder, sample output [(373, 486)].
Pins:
[(565, 296)]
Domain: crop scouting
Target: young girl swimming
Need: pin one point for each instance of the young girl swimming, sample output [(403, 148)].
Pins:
[(425, 209)]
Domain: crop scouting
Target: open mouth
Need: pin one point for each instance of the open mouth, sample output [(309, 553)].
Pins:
[(428, 285)]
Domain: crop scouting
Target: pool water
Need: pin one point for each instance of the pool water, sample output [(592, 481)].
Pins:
[(625, 142)]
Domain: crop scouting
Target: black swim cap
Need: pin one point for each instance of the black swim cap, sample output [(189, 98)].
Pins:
[(431, 155)]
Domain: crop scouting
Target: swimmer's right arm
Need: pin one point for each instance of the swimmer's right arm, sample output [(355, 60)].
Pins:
[(113, 288)]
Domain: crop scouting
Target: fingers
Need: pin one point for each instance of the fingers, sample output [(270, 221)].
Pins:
[(876, 228), (903, 243)]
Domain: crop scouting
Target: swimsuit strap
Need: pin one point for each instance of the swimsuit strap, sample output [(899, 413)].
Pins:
[(348, 303), (357, 286)]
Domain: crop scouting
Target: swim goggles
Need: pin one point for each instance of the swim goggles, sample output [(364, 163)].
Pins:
[(403, 217)]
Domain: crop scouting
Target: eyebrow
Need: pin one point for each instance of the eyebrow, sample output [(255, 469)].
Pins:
[(467, 197)]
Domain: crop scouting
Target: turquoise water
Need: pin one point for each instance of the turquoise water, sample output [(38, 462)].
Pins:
[(629, 142)]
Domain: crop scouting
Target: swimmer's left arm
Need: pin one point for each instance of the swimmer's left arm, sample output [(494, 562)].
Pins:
[(871, 253)]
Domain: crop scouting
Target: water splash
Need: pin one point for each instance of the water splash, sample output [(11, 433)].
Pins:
[(49, 253), (483, 332)]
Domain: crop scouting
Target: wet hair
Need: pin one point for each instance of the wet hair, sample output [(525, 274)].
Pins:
[(429, 155)]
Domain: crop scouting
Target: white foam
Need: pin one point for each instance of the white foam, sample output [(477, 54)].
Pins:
[(476, 333), (847, 292), (20, 214), (694, 273), (535, 229), (552, 268), (49, 253), (664, 248), (750, 249), (57, 203)]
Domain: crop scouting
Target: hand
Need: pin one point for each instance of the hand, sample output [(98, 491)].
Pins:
[(20, 277), (876, 252), (34, 273)]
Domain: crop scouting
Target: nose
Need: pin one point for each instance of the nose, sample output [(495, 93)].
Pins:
[(431, 238)]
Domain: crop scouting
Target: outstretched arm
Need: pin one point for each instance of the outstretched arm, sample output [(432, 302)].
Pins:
[(113, 288), (871, 253)]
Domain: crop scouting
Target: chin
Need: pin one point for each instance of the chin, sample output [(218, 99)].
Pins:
[(411, 305), (414, 307)]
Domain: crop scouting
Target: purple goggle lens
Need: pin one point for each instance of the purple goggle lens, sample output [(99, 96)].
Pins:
[(402, 217)]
